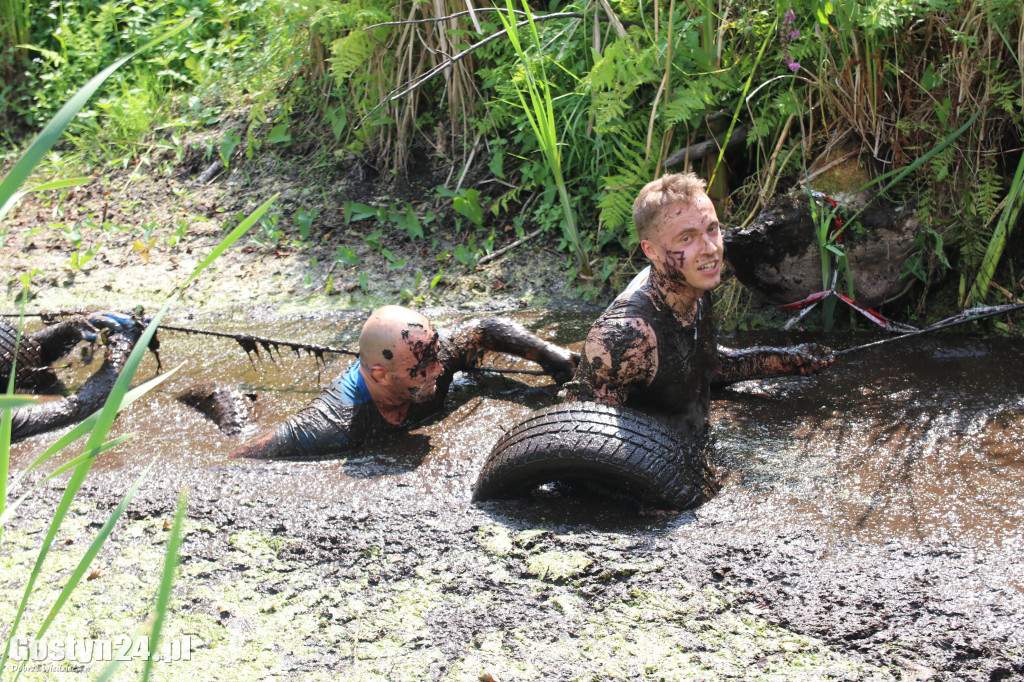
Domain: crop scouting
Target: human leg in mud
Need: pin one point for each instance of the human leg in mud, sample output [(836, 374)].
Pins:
[(40, 349), (404, 370)]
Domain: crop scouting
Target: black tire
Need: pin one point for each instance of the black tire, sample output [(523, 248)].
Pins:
[(616, 447), (29, 358)]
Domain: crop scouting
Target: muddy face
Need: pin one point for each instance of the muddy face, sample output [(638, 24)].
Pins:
[(686, 245), (417, 375)]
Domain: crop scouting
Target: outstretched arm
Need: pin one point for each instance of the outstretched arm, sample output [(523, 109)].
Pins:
[(29, 421), (57, 340), (467, 341), (322, 428), (619, 359), (760, 361)]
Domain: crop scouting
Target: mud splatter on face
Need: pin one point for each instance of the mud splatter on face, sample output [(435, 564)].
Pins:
[(675, 261), (388, 355), (425, 353)]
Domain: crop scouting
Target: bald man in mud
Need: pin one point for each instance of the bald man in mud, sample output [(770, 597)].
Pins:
[(654, 348), (404, 370)]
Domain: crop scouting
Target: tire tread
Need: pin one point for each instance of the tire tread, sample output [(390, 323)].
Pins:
[(613, 445)]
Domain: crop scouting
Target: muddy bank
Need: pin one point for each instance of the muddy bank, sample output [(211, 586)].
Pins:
[(129, 238)]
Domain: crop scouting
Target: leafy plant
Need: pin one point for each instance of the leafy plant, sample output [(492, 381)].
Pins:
[(466, 203), (536, 102), (228, 144), (304, 221)]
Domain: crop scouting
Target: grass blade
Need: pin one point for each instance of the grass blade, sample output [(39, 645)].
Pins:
[(84, 426), (7, 418), (9, 402), (162, 597), (91, 553), (112, 443), (242, 228), (166, 581)]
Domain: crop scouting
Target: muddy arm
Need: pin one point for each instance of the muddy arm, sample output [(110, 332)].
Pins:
[(35, 419), (760, 362), (619, 359), (57, 340), (323, 427), (467, 341)]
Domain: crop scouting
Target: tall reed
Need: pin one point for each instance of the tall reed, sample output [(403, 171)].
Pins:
[(15, 35), (538, 107)]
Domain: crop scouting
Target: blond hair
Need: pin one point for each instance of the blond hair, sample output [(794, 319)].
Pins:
[(677, 188)]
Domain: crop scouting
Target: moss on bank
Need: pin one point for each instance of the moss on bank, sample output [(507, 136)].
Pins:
[(254, 610)]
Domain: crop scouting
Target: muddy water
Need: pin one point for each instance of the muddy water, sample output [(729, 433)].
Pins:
[(918, 439)]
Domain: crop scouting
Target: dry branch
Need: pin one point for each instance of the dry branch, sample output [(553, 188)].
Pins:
[(414, 83)]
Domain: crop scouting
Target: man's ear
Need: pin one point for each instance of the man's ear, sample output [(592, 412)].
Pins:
[(649, 250), (379, 374)]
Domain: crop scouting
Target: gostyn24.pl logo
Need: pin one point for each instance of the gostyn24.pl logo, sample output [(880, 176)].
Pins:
[(82, 650)]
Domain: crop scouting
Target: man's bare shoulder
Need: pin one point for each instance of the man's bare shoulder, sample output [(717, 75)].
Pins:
[(619, 359)]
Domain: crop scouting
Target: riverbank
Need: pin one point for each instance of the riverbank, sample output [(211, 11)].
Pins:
[(127, 239)]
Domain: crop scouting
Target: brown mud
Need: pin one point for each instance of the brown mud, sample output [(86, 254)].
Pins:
[(870, 527)]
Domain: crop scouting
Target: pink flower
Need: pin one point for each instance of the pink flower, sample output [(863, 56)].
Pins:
[(788, 35)]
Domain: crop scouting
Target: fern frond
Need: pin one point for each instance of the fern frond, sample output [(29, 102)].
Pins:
[(688, 103), (501, 203), (350, 53)]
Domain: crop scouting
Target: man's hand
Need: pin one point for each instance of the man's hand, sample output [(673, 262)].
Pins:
[(111, 321), (806, 359), (561, 365)]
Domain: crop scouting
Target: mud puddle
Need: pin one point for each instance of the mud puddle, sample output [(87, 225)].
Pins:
[(911, 440), (873, 508)]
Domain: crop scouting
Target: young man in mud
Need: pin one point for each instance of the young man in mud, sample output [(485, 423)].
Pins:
[(654, 348), (404, 370), (38, 350)]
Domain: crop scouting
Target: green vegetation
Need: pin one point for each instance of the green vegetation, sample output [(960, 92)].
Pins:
[(559, 130)]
